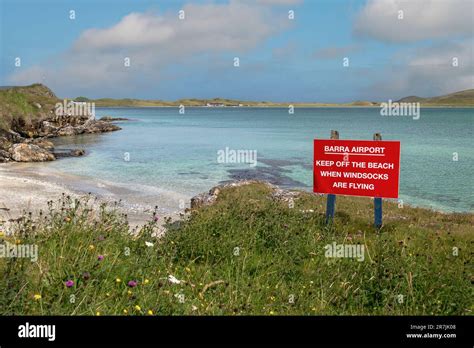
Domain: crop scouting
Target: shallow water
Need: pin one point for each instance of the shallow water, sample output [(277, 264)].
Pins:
[(176, 154)]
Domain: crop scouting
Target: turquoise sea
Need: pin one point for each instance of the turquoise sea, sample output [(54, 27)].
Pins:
[(163, 151)]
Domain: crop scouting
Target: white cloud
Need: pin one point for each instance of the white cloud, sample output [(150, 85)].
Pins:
[(154, 42), (422, 19), (427, 72)]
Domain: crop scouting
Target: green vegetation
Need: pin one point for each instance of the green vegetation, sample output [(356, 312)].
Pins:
[(462, 98), (25, 104), (246, 254)]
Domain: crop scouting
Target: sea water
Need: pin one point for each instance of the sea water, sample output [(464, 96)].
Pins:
[(161, 149)]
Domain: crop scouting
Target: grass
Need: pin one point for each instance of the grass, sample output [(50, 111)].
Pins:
[(17, 104), (245, 255)]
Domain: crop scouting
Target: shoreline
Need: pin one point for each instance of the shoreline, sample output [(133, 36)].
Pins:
[(29, 186)]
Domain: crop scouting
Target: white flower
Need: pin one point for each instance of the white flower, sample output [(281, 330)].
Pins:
[(173, 279), (148, 244)]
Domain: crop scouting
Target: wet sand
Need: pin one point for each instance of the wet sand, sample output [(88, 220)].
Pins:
[(27, 187)]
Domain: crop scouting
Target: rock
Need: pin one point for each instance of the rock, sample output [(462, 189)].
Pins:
[(100, 127), (30, 153), (67, 131), (43, 143), (209, 198), (113, 119), (48, 129), (69, 153), (4, 156), (77, 152)]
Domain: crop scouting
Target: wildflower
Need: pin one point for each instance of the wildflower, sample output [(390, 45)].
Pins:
[(37, 297), (272, 312), (100, 257), (67, 219), (146, 281), (156, 218), (2, 234), (188, 269), (97, 313), (132, 283), (18, 241), (125, 311), (150, 312), (138, 308), (272, 298), (173, 279), (101, 238), (69, 283), (86, 275), (148, 244), (91, 247), (118, 280), (107, 294), (129, 292)]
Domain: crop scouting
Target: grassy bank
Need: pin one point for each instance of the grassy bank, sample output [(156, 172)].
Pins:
[(246, 254), (25, 104)]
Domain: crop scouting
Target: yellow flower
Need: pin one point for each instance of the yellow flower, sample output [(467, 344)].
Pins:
[(91, 247), (37, 297), (97, 313), (18, 241), (118, 280), (146, 281), (2, 234), (129, 292), (272, 298), (125, 311), (150, 312), (138, 308), (272, 312), (188, 269), (107, 294)]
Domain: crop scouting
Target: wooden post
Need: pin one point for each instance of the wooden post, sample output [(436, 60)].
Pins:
[(377, 200), (331, 200)]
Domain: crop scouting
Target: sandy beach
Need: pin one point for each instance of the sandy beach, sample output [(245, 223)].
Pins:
[(27, 187)]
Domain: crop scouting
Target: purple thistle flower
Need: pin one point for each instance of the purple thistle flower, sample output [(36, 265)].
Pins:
[(100, 257), (132, 283), (69, 283)]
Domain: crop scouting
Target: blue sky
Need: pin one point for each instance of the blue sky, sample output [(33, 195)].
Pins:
[(280, 59)]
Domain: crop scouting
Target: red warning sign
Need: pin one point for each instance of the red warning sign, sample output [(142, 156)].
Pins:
[(356, 167)]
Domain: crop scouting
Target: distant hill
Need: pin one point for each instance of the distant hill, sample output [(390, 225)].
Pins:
[(461, 98)]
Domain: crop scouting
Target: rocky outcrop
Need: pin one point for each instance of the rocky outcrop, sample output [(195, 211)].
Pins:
[(24, 152), (277, 194), (113, 119), (69, 153), (72, 125), (42, 115), (209, 198)]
